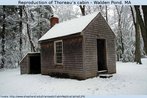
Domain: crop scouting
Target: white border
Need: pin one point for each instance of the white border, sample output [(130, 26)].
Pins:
[(15, 2)]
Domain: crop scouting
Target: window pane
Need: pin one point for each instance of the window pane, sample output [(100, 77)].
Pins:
[(58, 52)]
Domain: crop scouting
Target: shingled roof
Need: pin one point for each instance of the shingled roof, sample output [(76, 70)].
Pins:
[(69, 27)]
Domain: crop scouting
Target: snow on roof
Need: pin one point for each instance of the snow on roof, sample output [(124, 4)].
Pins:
[(69, 27), (55, 15), (27, 54)]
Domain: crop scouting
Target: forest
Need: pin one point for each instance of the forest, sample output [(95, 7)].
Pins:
[(22, 26)]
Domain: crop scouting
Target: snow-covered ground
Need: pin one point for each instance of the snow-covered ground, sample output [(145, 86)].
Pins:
[(131, 79)]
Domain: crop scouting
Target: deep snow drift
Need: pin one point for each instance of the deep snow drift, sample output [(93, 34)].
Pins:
[(131, 79)]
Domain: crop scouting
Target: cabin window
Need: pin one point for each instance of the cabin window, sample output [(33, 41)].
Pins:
[(58, 46)]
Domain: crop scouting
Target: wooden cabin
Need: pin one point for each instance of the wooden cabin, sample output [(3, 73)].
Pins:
[(79, 48)]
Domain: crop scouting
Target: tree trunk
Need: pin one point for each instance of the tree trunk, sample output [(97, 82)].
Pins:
[(120, 34), (3, 39), (106, 13), (20, 31), (28, 32), (137, 38), (137, 45), (82, 10), (40, 24), (144, 8), (142, 27), (30, 40)]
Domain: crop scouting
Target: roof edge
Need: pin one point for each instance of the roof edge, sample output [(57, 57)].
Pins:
[(41, 41)]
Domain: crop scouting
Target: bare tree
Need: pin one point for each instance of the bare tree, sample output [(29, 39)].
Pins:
[(82, 8), (137, 37), (106, 9), (28, 31), (120, 35), (3, 39), (20, 30), (144, 34)]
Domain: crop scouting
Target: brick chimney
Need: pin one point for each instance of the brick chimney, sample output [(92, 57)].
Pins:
[(54, 20)]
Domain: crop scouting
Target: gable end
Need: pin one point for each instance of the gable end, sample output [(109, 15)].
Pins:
[(95, 19)]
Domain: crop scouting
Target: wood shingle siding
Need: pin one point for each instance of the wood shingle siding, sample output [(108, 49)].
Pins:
[(72, 57), (98, 29)]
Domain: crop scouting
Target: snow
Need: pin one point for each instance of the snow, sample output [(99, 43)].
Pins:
[(69, 27), (130, 79)]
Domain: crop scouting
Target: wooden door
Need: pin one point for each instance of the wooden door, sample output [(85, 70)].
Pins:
[(101, 54)]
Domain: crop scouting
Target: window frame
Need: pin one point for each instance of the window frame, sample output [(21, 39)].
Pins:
[(55, 52)]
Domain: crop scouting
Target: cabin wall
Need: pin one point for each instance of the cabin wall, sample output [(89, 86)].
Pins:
[(72, 55), (72, 58), (47, 57), (98, 29), (24, 68)]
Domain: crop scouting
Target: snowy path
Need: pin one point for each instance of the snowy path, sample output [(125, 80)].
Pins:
[(131, 79)]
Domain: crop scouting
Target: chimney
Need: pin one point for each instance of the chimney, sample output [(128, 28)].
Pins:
[(54, 20)]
